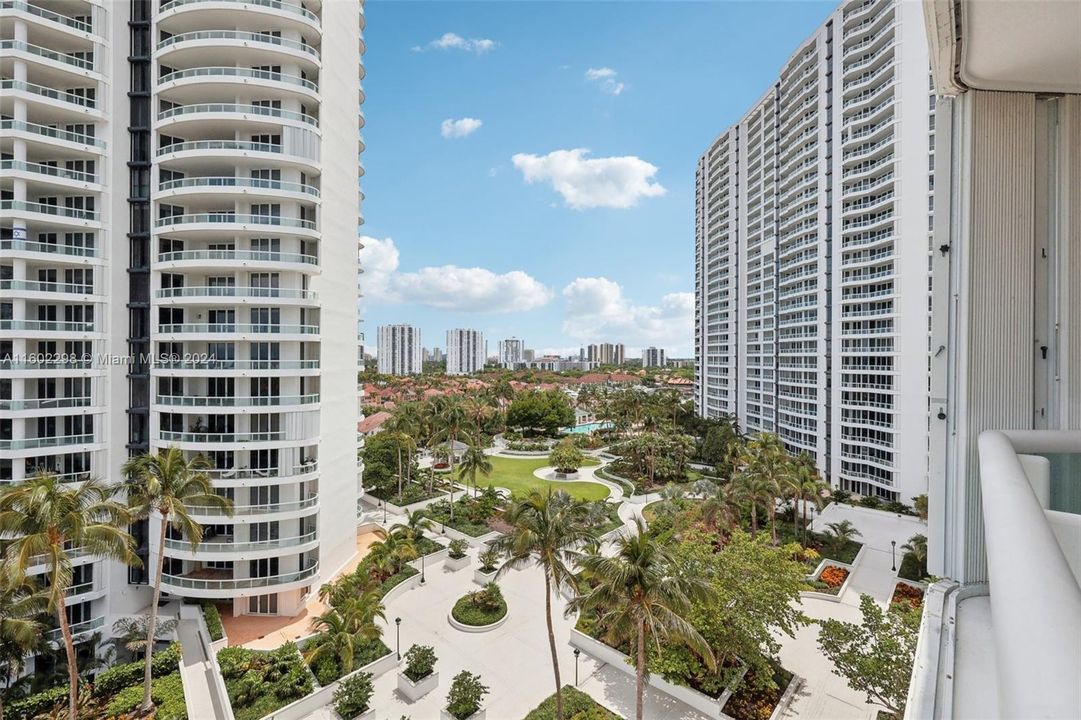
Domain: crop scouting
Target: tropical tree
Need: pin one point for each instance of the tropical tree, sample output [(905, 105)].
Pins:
[(550, 531), (841, 533), (416, 522), (345, 629), (474, 460), (566, 458), (132, 632), (917, 545), (391, 552), (639, 595), (21, 629), (170, 486), (764, 468), (45, 519), (450, 423), (805, 486), (722, 507)]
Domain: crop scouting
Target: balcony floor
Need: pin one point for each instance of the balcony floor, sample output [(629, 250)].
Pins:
[(974, 697), (266, 632)]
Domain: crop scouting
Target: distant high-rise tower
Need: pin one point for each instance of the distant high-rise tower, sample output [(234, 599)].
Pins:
[(399, 350), (466, 351), (812, 242), (511, 352), (606, 353), (652, 357)]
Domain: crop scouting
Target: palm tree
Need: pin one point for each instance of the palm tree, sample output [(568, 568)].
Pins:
[(549, 531), (474, 460), (722, 507), (171, 486), (842, 533), (807, 488), (391, 552), (46, 519), (416, 522), (346, 628), (21, 630), (764, 468), (917, 545), (639, 593), (449, 424), (478, 411)]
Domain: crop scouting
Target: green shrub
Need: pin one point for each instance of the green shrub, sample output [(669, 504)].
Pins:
[(261, 682), (466, 694), (870, 501), (457, 548), (489, 560), (482, 607), (841, 496), (167, 693), (36, 704), (213, 621), (118, 677), (353, 695), (576, 706), (419, 662)]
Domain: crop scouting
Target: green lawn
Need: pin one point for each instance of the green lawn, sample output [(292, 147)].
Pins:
[(517, 476)]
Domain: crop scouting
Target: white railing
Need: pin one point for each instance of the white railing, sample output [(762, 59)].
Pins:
[(1035, 597)]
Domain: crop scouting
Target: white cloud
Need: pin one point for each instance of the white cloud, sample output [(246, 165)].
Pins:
[(463, 127), (605, 79), (614, 182), (597, 310), (447, 287), (453, 41)]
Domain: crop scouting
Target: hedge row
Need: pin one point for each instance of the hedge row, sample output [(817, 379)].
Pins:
[(119, 677)]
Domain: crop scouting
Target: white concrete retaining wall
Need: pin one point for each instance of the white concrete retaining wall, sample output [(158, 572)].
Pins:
[(210, 650), (476, 628), (324, 696)]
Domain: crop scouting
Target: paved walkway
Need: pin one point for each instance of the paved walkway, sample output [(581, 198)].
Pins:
[(195, 670)]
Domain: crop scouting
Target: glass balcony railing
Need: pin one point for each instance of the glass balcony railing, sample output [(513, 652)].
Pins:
[(211, 145), (80, 628), (50, 287), (215, 548), (226, 584), (238, 72), (50, 170), (264, 509), (205, 437), (214, 328), (45, 403), (234, 219), (202, 401), (47, 326), (255, 37), (239, 182), (50, 132), (47, 92), (257, 473), (274, 4), (47, 209), (45, 365), (237, 255), (237, 108), (227, 292), (236, 365), (46, 442), (46, 53), (46, 15)]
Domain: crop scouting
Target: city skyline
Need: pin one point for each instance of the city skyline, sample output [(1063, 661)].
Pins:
[(480, 150)]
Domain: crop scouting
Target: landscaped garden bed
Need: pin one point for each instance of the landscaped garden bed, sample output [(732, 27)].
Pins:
[(327, 667), (757, 701), (911, 568), (905, 593), (472, 515), (481, 608), (576, 706), (114, 693), (259, 683), (830, 579)]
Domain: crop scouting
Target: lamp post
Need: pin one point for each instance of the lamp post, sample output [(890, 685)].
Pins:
[(577, 652), (398, 635), (384, 512), (422, 568), (893, 552)]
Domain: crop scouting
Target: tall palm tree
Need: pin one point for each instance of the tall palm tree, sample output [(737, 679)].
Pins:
[(640, 594), (416, 522), (841, 533), (765, 466), (450, 423), (21, 629), (807, 488), (917, 545), (478, 411), (721, 508), (474, 460), (390, 553), (169, 485), (46, 519), (345, 629), (549, 531)]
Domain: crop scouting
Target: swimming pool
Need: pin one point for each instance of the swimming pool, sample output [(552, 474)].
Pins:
[(587, 428)]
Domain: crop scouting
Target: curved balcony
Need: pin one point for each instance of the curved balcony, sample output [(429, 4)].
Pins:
[(234, 10), (52, 288), (234, 402), (231, 548), (237, 329), (56, 251), (219, 583), (60, 61), (214, 222), (37, 172), (34, 132), (48, 326), (256, 510), (60, 213), (257, 47), (47, 442), (246, 477), (194, 153), (214, 187), (240, 365), (53, 19), (215, 113), (234, 258), (204, 76), (241, 294), (205, 438), (77, 103)]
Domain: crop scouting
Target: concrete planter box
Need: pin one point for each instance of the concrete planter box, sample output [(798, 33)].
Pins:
[(476, 628), (841, 591), (478, 715), (368, 714), (416, 690), (483, 578), (456, 563)]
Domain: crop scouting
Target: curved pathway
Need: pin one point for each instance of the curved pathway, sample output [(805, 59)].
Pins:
[(585, 474)]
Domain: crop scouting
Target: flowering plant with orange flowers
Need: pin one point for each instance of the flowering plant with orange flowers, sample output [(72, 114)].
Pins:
[(833, 576)]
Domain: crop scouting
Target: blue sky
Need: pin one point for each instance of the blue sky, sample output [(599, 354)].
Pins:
[(566, 214)]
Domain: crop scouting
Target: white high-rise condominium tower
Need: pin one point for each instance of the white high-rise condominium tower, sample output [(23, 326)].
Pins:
[(466, 351), (511, 352), (606, 353), (812, 243), (400, 351), (652, 357), (166, 193)]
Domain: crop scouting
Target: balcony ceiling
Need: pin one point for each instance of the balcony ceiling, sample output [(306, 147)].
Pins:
[(1021, 45)]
